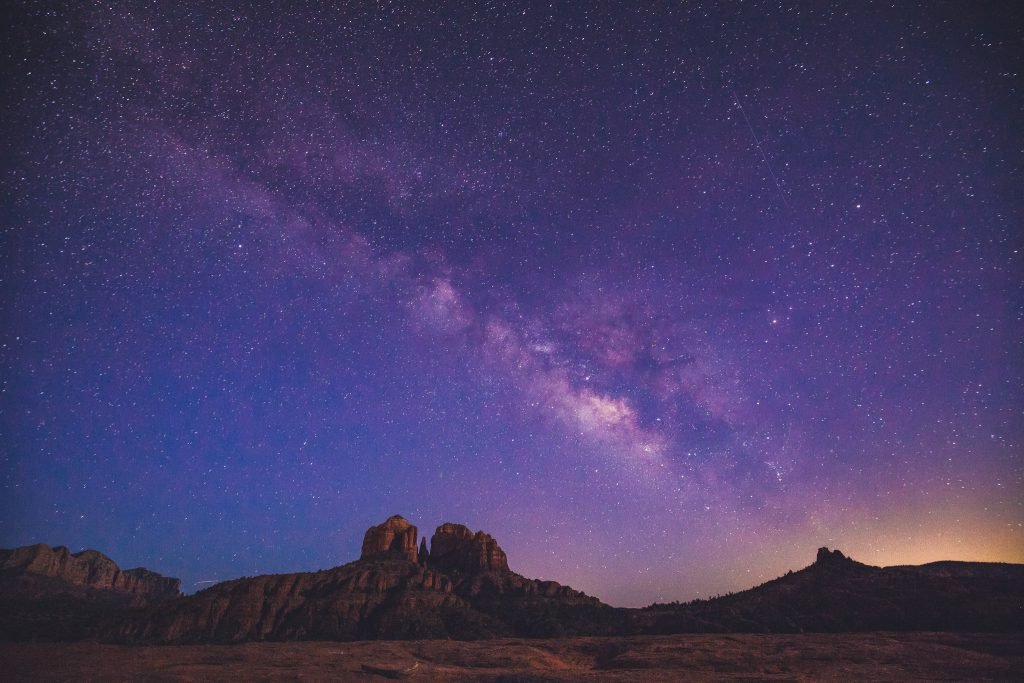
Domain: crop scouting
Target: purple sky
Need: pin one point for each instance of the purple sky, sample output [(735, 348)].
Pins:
[(663, 299)]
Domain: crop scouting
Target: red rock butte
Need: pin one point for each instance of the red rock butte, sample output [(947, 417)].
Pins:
[(455, 547), (395, 538)]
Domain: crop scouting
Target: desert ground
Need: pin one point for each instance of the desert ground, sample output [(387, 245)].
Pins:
[(706, 657)]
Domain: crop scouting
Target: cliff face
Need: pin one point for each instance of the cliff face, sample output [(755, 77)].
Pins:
[(461, 588), (87, 569), (52, 594), (453, 547), (360, 600), (395, 538)]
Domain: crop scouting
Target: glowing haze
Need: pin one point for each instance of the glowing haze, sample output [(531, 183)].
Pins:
[(663, 299)]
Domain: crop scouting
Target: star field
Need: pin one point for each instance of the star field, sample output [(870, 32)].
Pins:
[(661, 297)]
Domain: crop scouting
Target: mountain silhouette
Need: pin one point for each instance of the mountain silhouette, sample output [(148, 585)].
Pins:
[(462, 588), (838, 594)]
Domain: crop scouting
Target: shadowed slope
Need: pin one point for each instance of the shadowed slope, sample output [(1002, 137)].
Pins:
[(54, 594), (468, 593), (839, 594)]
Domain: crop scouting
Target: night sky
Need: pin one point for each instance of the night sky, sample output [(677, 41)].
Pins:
[(663, 296)]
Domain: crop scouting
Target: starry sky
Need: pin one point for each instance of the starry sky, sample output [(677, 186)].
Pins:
[(664, 296)]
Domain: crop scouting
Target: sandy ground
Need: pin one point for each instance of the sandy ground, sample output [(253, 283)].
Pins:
[(875, 656)]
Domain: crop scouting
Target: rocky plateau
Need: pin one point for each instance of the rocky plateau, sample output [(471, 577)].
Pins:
[(461, 587)]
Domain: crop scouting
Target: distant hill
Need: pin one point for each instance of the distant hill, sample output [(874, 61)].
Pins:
[(54, 594), (462, 588), (837, 594)]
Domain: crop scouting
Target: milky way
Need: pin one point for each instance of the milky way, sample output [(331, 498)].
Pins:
[(663, 299)]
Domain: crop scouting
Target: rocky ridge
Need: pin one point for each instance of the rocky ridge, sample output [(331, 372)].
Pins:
[(40, 567), (837, 594), (53, 594), (460, 588)]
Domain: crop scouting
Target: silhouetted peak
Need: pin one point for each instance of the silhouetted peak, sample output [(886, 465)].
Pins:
[(826, 556)]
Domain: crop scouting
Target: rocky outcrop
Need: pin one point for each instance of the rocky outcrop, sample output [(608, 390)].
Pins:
[(394, 539), (462, 589), (453, 547), (53, 594), (831, 558), (87, 569)]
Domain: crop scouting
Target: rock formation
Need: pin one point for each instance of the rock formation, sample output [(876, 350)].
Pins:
[(826, 556), (454, 547), (461, 589), (395, 538), (87, 569), (52, 594), (424, 555)]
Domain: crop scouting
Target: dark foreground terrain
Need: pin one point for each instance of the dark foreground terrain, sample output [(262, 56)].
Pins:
[(702, 657)]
